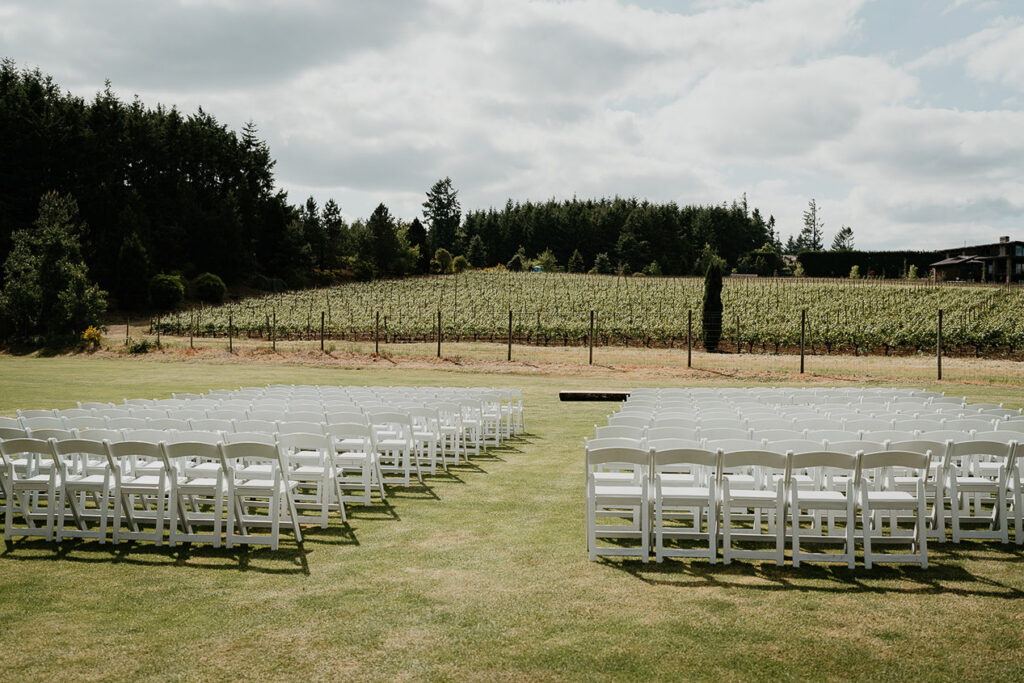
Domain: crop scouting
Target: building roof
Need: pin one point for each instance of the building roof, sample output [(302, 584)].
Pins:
[(957, 261)]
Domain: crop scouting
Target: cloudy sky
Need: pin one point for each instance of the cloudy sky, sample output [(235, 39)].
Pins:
[(904, 119)]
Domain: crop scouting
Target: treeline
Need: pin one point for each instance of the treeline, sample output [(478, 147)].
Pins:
[(155, 203), (628, 235)]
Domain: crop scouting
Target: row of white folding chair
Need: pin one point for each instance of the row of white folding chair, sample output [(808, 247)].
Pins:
[(721, 496), (152, 498)]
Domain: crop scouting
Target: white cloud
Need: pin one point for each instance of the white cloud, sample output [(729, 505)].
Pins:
[(370, 102)]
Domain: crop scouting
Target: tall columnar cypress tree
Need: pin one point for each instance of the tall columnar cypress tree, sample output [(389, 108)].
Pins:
[(711, 319)]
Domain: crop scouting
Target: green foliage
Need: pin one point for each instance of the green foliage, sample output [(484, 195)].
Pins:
[(48, 297), (140, 346), (576, 264), (166, 292), (652, 269), (855, 272), (209, 288), (798, 270), (443, 213), (843, 240), (476, 253), (132, 273), (442, 262), (603, 265), (416, 235), (810, 238), (460, 264), (515, 264), (764, 262), (838, 263), (711, 309), (912, 272), (547, 261), (708, 257)]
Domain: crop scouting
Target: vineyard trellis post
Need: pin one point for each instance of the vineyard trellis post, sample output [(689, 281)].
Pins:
[(803, 328), (938, 345), (439, 333), (510, 334), (591, 337), (322, 316), (739, 349), (273, 333), (127, 326), (158, 330), (191, 330), (376, 335), (689, 338), (230, 345)]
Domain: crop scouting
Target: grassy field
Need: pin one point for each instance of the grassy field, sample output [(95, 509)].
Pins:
[(483, 573)]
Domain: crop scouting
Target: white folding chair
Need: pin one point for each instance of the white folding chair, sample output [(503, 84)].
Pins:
[(673, 499), (308, 455), (82, 478), (975, 498), (353, 458), (877, 497), (247, 497), (32, 491), (618, 500), (190, 490), (759, 497), (140, 498), (831, 495)]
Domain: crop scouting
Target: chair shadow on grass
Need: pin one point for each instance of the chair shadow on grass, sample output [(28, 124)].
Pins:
[(289, 558), (945, 574)]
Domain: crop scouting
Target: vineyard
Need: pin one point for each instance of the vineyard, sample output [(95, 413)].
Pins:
[(761, 314)]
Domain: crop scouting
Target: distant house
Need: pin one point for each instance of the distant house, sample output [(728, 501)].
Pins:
[(1000, 262)]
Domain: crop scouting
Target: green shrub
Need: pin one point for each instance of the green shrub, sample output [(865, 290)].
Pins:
[(140, 345), (460, 264), (166, 292), (209, 288), (855, 272)]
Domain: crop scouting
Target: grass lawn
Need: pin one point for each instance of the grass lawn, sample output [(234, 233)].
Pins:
[(482, 574)]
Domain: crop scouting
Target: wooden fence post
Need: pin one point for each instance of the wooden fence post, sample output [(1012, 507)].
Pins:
[(439, 333), (591, 339), (158, 330), (510, 334), (191, 330), (803, 326), (231, 348), (689, 337), (938, 345), (322, 314), (739, 348), (273, 333), (127, 326), (376, 335)]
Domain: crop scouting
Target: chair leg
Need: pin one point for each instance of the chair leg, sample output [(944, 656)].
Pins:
[(795, 513)]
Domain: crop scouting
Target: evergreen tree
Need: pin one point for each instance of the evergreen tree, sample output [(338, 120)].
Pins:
[(547, 261), (476, 253), (711, 315), (336, 235), (48, 296), (132, 273), (417, 236), (576, 264), (387, 252), (843, 240), (443, 213), (810, 238), (603, 265)]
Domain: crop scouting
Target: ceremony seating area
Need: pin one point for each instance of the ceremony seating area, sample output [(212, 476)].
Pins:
[(749, 473), (235, 466)]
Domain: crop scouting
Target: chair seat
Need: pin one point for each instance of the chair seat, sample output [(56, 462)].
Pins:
[(822, 498), (145, 484), (617, 493), (85, 482), (755, 496), (35, 483), (679, 493), (196, 485), (893, 498), (308, 471)]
